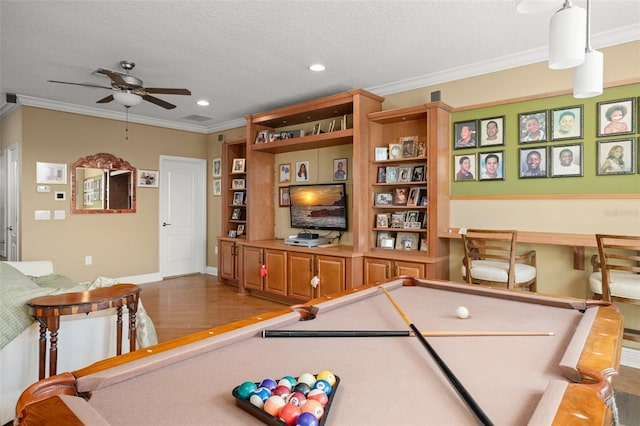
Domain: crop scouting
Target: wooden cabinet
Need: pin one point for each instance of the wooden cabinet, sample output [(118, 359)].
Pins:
[(234, 187), (380, 270), (228, 268), (302, 267), (265, 270)]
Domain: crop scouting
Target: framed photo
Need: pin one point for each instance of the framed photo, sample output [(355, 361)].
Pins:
[(414, 196), (262, 137), (392, 174), (532, 127), (413, 216), (238, 198), (381, 176), (409, 145), (407, 241), (533, 162), (492, 165), (616, 157), (217, 187), (566, 160), (54, 173), (385, 240), (384, 199), (285, 199), (316, 129), (382, 220), (421, 150), (236, 214), (237, 184), (464, 167), (238, 165), (395, 151), (404, 174), (216, 167), (616, 117), (284, 172), (400, 196), (340, 169), (382, 153), (148, 178), (302, 171), (397, 220), (417, 174), (492, 131), (464, 134), (240, 230), (566, 123)]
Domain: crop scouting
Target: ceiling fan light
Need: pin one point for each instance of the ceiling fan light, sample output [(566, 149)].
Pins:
[(537, 6), (588, 77), (567, 37), (127, 98)]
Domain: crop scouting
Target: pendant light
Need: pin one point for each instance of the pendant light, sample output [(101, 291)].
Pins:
[(588, 77), (567, 37), (537, 6)]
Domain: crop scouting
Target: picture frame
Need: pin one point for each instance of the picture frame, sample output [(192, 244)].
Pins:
[(302, 171), (405, 174), (464, 168), (400, 196), (236, 214), (409, 145), (340, 169), (238, 184), (384, 199), (217, 187), (148, 178), (284, 172), (240, 230), (413, 216), (392, 174), (532, 163), (417, 174), (421, 150), (238, 198), (262, 136), (407, 241), (51, 173), (532, 127), (381, 175), (381, 153), (316, 129), (492, 131), (566, 160), (386, 241), (615, 157), (567, 123), (465, 134), (216, 167), (395, 151), (616, 117), (382, 220), (238, 165), (284, 197), (414, 196), (492, 165), (397, 220)]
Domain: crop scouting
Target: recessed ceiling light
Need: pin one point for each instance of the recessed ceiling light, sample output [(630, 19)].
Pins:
[(203, 102), (317, 67)]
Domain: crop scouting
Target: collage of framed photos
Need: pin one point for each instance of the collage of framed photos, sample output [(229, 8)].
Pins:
[(405, 147), (551, 143)]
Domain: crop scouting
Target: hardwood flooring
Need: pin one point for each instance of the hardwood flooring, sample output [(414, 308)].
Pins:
[(183, 305)]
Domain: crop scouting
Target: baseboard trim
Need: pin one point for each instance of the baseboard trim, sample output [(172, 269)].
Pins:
[(630, 357), (155, 276)]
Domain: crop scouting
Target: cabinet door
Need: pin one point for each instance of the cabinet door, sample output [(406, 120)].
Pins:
[(228, 260), (276, 279), (376, 270), (331, 271), (252, 265), (412, 269), (299, 272)]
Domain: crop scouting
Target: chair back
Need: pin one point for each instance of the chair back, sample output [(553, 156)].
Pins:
[(489, 244), (617, 253)]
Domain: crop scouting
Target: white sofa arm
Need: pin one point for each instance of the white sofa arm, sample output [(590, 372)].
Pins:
[(34, 268)]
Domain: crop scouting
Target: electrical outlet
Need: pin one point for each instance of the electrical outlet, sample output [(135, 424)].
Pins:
[(215, 249), (88, 260)]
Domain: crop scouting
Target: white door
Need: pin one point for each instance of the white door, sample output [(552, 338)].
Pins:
[(4, 224), (183, 236), (13, 203)]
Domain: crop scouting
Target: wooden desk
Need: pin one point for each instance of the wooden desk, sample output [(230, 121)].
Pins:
[(47, 310)]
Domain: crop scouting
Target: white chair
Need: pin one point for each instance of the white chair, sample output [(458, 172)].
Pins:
[(490, 259), (616, 273)]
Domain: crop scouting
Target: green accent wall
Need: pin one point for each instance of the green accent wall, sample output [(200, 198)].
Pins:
[(512, 184)]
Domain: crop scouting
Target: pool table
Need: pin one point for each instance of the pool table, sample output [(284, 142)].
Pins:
[(384, 380)]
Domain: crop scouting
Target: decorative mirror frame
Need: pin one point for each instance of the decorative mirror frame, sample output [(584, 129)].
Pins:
[(106, 162)]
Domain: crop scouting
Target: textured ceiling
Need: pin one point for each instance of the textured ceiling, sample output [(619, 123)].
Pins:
[(250, 56)]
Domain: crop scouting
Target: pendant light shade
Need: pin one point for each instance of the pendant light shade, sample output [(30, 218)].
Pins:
[(588, 77), (127, 98), (537, 6), (567, 37)]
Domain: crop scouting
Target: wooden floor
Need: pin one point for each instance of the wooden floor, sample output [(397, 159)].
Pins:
[(180, 306)]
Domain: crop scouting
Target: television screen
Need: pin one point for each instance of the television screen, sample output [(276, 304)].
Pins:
[(320, 206)]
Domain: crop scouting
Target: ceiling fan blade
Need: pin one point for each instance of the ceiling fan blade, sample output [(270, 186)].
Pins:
[(115, 77), (167, 91), (158, 102), (80, 84), (105, 100)]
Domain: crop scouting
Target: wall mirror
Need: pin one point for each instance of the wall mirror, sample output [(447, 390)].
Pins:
[(103, 183)]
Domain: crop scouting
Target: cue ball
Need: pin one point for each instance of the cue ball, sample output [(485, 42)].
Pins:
[(462, 312)]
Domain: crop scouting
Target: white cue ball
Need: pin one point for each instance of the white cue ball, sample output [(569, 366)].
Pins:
[(462, 312)]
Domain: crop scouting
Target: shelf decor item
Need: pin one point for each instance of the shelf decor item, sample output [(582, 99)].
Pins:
[(382, 153), (238, 165)]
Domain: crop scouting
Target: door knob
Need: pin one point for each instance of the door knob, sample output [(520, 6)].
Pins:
[(9, 228), (165, 224)]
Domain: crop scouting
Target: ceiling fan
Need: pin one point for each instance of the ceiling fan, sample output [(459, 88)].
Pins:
[(129, 90)]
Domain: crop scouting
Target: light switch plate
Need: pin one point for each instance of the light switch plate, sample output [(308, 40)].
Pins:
[(59, 214), (43, 188), (43, 214)]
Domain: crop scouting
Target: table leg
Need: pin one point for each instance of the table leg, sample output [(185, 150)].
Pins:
[(119, 331), (42, 344), (133, 309), (54, 325)]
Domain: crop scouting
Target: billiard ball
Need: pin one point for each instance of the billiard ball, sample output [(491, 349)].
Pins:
[(323, 385), (246, 389), (313, 407), (307, 378), (328, 376), (273, 404), (282, 391), (296, 398), (306, 419), (269, 384), (289, 414), (303, 388), (256, 400), (318, 395), (288, 381), (462, 312)]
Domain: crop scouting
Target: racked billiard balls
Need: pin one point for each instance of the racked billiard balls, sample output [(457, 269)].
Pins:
[(328, 376), (303, 388), (307, 378), (273, 404), (318, 395), (306, 419), (289, 414), (246, 389), (323, 385), (313, 407), (296, 398)]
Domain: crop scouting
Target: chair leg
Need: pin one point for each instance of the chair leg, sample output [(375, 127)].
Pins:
[(631, 334)]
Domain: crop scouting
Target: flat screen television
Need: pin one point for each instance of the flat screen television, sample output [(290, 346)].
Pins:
[(320, 206)]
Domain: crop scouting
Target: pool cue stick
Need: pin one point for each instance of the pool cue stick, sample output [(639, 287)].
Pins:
[(471, 403), (396, 333)]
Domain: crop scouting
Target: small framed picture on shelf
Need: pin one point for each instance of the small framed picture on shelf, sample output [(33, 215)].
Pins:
[(409, 145), (262, 137), (384, 199), (616, 117), (392, 174), (400, 196), (386, 240), (284, 197), (395, 151), (382, 220), (381, 176), (424, 245), (421, 150), (236, 214), (217, 187), (414, 196), (397, 220), (382, 153), (284, 172), (418, 174), (491, 131), (316, 129), (423, 201), (238, 165), (238, 198), (216, 167), (407, 241), (237, 184), (405, 174), (240, 230)]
